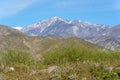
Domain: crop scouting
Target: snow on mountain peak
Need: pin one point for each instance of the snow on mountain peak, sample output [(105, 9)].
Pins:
[(18, 28), (56, 18), (57, 26), (75, 30)]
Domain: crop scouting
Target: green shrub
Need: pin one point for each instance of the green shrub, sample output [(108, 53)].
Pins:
[(16, 57), (71, 54)]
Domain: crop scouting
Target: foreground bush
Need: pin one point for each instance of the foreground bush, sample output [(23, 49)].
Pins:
[(72, 54), (10, 57)]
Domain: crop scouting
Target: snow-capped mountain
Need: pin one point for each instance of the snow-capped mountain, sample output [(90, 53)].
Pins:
[(61, 28), (102, 35)]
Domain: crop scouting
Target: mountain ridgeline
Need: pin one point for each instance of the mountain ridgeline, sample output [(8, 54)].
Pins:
[(57, 27), (60, 28)]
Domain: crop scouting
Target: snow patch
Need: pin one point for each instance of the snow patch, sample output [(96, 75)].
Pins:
[(75, 29), (18, 28)]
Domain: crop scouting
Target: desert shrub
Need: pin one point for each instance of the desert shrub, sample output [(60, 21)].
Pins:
[(72, 54), (59, 56), (66, 54), (16, 57)]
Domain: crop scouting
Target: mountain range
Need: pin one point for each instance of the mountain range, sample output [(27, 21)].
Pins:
[(12, 39), (57, 28), (60, 28), (102, 35)]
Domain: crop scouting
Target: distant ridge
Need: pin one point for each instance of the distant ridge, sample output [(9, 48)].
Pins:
[(57, 27), (61, 28)]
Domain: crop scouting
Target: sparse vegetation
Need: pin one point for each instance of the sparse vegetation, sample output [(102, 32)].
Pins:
[(76, 59), (16, 57)]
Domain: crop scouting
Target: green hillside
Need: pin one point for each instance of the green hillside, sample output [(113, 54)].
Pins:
[(75, 58), (34, 58)]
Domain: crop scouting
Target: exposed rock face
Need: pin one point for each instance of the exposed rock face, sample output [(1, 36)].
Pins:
[(61, 28), (109, 39), (102, 35)]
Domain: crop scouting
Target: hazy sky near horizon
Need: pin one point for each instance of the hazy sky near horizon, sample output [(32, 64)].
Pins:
[(25, 12)]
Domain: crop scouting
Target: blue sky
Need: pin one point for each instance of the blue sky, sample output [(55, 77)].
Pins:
[(25, 12)]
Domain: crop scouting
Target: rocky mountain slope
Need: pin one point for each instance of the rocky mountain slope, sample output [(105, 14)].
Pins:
[(110, 39), (60, 28), (101, 35)]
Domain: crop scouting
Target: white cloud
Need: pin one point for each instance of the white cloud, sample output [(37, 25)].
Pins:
[(12, 7)]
